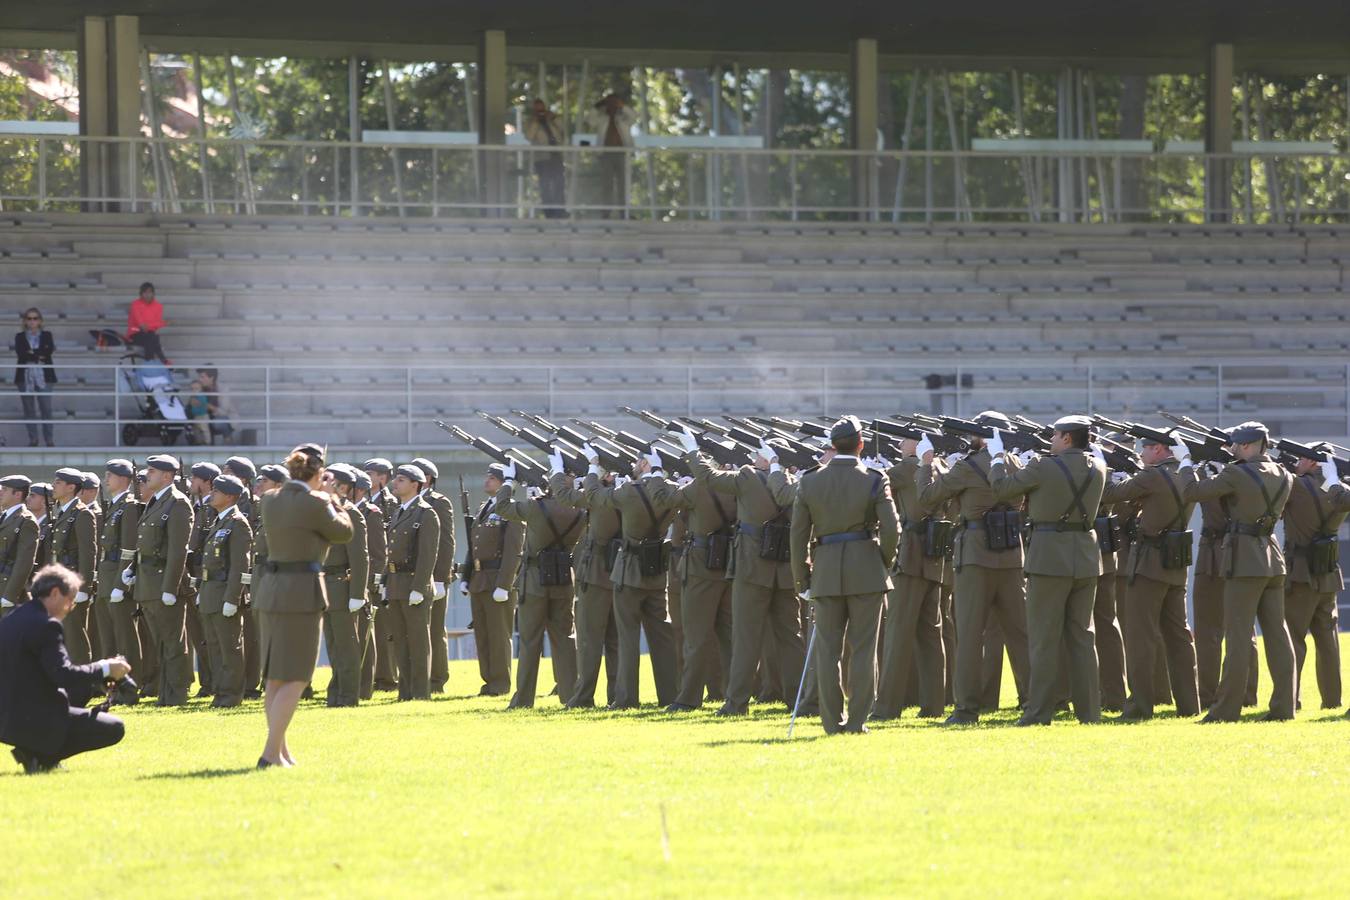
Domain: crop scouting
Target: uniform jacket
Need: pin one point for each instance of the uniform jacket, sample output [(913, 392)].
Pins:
[(703, 512), (760, 497), (162, 544), (1311, 513), (1071, 554), (414, 540), (445, 552), (498, 546), (300, 525), (38, 683), (1158, 512), (226, 560), (843, 496), (1213, 529), (203, 519), (18, 553), (909, 559), (74, 541), (117, 535), (377, 543), (347, 565), (1245, 555), (537, 516), (637, 523), (967, 482), (602, 526)]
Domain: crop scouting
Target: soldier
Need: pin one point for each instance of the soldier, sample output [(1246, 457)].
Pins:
[(379, 471), (762, 595), (489, 581), (676, 536), (116, 550), (414, 537), (844, 537), (377, 553), (1318, 504), (346, 572), (552, 530), (1105, 623), (988, 560), (1155, 592), (1255, 490), (645, 506), (89, 496), (1063, 563), (18, 542), (74, 544), (597, 634), (242, 467), (1207, 597), (225, 573), (201, 477), (441, 576), (913, 607), (161, 558), (39, 503)]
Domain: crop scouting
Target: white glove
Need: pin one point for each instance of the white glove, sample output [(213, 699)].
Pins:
[(653, 459), (1329, 474), (81, 597), (1118, 477), (384, 594), (1098, 454), (591, 456), (355, 604), (415, 598), (228, 610), (438, 591), (555, 462), (197, 600), (167, 599), (687, 439), (500, 595), (924, 446), (509, 470), (884, 462), (768, 452), (1182, 453), (464, 588), (871, 462), (955, 458), (1026, 456), (5, 604), (994, 444), (116, 596), (806, 594), (128, 576)]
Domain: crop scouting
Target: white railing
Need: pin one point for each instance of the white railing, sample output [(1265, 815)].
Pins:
[(101, 405), (339, 178)]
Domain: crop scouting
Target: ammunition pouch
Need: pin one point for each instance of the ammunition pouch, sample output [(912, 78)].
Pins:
[(1253, 529), (1108, 533), (1177, 548), (1003, 529), (937, 538), (555, 567), (652, 555), (1324, 556), (612, 552), (716, 549), (775, 542)]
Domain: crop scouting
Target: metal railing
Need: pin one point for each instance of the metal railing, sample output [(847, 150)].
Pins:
[(398, 405), (339, 178)]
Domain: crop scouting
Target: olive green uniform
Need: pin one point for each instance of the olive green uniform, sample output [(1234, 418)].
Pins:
[(597, 633), (443, 574), (377, 552), (1314, 514), (705, 606), (19, 537), (497, 546), (225, 571), (346, 573), (1207, 598), (74, 544), (161, 559), (386, 660), (116, 550), (414, 539), (1106, 628), (203, 518)]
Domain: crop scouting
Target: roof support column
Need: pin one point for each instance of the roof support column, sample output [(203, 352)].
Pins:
[(863, 79), (491, 109), (1219, 133)]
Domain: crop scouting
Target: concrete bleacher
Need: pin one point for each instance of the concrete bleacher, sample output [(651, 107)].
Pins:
[(573, 318)]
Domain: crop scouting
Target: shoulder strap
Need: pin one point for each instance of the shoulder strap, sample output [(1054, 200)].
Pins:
[(721, 510), (764, 480), (1078, 491), (1317, 504), (870, 519), (978, 471), (548, 520), (651, 513), (1269, 514), (1179, 524)]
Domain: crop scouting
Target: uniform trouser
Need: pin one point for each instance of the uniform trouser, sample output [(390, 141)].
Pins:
[(597, 638), (1156, 616), (1259, 598), (948, 647), (196, 635), (852, 621), (1307, 611), (706, 631), (118, 631), (386, 655), (913, 634), (1059, 617), (365, 639), (637, 610), (756, 609), (537, 616), (492, 624), (981, 591), (225, 647), (1110, 644), (149, 652), (252, 658), (410, 638), (168, 630), (76, 628), (344, 650), (1207, 597), (675, 605), (991, 668), (440, 646)]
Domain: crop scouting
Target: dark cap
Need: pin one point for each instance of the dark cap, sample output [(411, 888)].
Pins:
[(427, 466), (70, 476), (1248, 432), (42, 489), (162, 461), (361, 480), (121, 467), (90, 482), (206, 471), (274, 472), (497, 471), (313, 451), (16, 482), (412, 473), (1072, 423), (227, 484), (378, 464), (242, 468), (343, 473), (845, 428)]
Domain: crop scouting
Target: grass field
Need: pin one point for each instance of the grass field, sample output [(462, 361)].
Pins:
[(458, 796)]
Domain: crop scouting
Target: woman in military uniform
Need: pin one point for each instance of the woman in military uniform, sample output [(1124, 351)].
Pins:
[(301, 520)]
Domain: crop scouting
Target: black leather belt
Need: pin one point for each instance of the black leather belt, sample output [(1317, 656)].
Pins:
[(113, 556), (222, 575), (153, 561), (1212, 534), (1252, 530), (343, 573), (747, 528), (1062, 526), (311, 567), (843, 537), (696, 541)]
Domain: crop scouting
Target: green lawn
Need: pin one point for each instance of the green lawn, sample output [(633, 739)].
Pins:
[(458, 796)]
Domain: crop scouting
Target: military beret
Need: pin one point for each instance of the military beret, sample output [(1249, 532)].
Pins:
[(16, 482), (427, 466), (412, 473), (90, 482), (497, 471), (847, 427), (242, 468), (313, 451), (274, 472), (162, 461), (343, 473), (121, 467), (362, 479), (1248, 432), (993, 418), (42, 489), (228, 484), (378, 464), (70, 476), (206, 471), (1072, 423)]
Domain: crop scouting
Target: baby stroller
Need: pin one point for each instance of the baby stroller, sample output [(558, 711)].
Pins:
[(157, 402)]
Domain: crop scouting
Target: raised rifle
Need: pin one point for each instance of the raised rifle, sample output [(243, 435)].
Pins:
[(466, 567), (943, 444), (570, 435), (1018, 441), (1291, 451), (720, 449), (671, 456), (574, 463), (791, 452), (810, 429), (527, 470), (1204, 444)]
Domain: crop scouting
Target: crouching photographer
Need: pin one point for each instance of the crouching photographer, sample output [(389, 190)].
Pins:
[(42, 695)]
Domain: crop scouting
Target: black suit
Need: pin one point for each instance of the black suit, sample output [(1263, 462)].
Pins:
[(42, 695), (37, 404)]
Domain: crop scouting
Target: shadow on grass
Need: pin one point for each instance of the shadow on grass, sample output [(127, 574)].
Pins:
[(199, 773), (781, 739)]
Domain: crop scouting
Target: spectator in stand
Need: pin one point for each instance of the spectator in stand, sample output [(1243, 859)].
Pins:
[(613, 124), (144, 320), (543, 129), (199, 411), (34, 375), (218, 405)]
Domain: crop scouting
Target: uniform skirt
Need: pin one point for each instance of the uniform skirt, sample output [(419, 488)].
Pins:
[(288, 644)]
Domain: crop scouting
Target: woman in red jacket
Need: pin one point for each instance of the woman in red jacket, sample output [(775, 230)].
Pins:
[(144, 320)]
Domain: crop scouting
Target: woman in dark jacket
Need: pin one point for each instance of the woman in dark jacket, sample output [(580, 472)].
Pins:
[(34, 375)]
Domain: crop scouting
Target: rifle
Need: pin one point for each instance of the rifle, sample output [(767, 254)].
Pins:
[(810, 429), (1291, 451), (1217, 434), (722, 451), (466, 567), (672, 457), (614, 458), (943, 444), (574, 463), (1204, 444), (1019, 441), (527, 470), (791, 452)]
